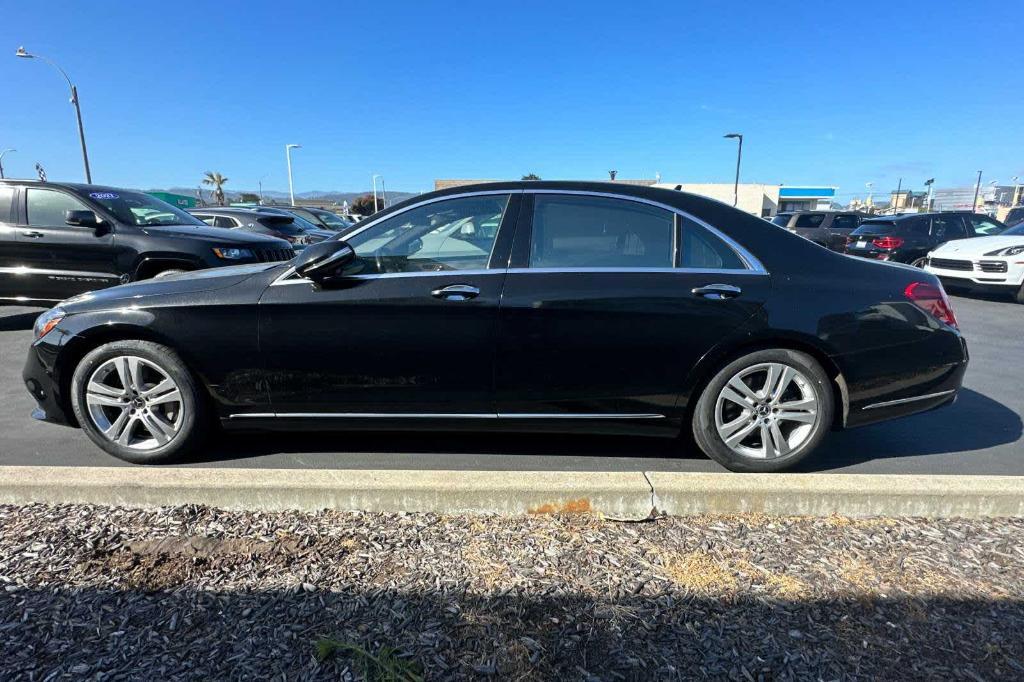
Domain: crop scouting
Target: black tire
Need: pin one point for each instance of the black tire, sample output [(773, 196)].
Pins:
[(1019, 296), (706, 433), (194, 420)]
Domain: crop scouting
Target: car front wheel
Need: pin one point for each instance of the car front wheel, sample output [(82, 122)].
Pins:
[(138, 401), (765, 411)]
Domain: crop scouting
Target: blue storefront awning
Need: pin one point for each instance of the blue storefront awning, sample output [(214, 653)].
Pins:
[(806, 192)]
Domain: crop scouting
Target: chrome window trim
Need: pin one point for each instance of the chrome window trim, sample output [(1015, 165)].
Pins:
[(25, 270), (901, 401), (438, 415), (754, 266)]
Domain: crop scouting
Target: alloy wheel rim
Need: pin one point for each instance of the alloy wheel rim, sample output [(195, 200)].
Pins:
[(766, 411), (134, 403)]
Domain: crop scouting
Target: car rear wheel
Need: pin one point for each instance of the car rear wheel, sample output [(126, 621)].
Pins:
[(1020, 294), (765, 411), (138, 401)]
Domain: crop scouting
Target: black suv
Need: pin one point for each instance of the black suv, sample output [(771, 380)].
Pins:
[(60, 239), (825, 228), (907, 238)]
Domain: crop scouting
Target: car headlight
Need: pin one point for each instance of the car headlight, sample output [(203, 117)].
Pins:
[(232, 253), (1008, 251), (47, 321)]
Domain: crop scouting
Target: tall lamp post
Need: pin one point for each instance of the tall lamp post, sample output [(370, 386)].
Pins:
[(374, 180), (929, 183), (977, 188), (74, 100), (739, 157), (2, 161), (1016, 188), (288, 154)]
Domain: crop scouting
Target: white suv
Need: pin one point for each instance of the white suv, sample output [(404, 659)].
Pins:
[(993, 263)]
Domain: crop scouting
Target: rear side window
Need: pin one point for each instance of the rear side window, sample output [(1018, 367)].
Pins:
[(844, 222), (809, 220), (917, 226), (945, 227), (6, 203), (46, 207), (599, 232), (700, 249)]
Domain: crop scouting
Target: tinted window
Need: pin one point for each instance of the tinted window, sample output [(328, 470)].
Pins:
[(457, 234), (6, 200), (782, 219), (282, 224), (985, 226), (588, 232), (208, 219), (916, 225), (702, 249), (46, 207), (224, 221), (844, 222), (809, 220), (947, 227)]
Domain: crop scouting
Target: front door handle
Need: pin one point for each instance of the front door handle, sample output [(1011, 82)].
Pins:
[(456, 292), (32, 234), (717, 292)]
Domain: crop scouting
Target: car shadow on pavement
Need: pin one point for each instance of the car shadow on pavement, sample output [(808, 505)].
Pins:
[(18, 322), (974, 422)]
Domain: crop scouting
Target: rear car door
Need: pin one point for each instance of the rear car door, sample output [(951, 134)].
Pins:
[(610, 301), (411, 332), (60, 260), (9, 279)]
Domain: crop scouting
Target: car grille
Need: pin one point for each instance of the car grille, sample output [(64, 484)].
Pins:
[(273, 255), (950, 264), (992, 265)]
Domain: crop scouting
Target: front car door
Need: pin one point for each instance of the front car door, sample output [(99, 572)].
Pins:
[(947, 227), (58, 260), (410, 332), (610, 301)]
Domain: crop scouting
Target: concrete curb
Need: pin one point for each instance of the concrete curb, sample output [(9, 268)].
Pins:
[(627, 495)]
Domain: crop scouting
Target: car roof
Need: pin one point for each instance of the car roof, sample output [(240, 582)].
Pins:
[(74, 186)]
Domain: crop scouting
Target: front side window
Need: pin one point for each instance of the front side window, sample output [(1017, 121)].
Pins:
[(947, 227), (46, 207), (599, 232), (455, 234)]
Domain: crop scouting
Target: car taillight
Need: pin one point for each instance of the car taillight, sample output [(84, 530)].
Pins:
[(887, 242), (933, 300)]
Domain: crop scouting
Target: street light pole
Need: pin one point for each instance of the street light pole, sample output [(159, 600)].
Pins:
[(288, 154), (977, 188), (374, 180), (383, 193), (739, 157), (1015, 178), (74, 100), (2, 161)]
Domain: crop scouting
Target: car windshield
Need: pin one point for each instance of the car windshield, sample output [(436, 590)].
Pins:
[(331, 219), (137, 208), (283, 224), (300, 223)]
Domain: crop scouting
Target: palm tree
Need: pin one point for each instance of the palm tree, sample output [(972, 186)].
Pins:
[(217, 181)]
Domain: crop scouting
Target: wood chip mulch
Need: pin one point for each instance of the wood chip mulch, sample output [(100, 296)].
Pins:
[(180, 593)]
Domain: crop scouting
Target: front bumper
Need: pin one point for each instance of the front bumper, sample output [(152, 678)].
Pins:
[(42, 383)]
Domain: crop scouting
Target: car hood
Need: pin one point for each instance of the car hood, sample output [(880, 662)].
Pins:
[(219, 235), (186, 283), (978, 246)]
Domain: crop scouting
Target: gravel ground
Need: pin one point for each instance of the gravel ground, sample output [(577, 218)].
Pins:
[(198, 593)]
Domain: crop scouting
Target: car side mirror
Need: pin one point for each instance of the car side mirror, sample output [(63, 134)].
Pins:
[(81, 219), (324, 261)]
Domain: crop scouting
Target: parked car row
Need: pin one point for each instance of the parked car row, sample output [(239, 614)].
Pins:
[(521, 306), (264, 220)]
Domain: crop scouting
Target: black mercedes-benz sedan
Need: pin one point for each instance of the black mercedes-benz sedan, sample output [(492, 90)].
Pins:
[(540, 306)]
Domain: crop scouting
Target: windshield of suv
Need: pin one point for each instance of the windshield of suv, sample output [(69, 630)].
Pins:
[(1016, 230), (137, 208), (331, 219), (782, 219)]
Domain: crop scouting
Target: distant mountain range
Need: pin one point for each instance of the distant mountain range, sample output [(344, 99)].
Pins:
[(278, 197)]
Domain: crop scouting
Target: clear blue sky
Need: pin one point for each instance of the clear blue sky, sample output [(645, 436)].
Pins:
[(830, 93)]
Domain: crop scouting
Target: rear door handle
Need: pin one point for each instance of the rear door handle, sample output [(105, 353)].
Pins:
[(717, 291), (32, 234), (456, 292)]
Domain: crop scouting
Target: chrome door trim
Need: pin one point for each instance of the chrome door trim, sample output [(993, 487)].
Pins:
[(901, 401), (671, 271), (25, 270), (440, 415)]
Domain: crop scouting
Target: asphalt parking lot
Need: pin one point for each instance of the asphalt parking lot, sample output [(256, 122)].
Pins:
[(980, 434)]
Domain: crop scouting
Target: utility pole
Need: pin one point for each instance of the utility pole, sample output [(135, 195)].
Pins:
[(977, 188), (896, 199), (2, 161), (929, 183)]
